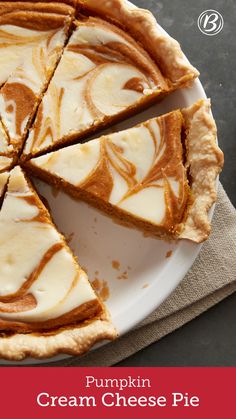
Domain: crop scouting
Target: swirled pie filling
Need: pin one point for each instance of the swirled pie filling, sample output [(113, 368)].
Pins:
[(42, 287)]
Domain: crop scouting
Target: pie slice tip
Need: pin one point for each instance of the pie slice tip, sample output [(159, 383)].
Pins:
[(47, 305)]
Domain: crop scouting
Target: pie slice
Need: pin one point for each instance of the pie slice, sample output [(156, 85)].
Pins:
[(108, 71), (32, 37), (47, 304), (144, 176)]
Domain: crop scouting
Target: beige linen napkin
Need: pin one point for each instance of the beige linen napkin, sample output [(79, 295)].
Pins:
[(212, 278)]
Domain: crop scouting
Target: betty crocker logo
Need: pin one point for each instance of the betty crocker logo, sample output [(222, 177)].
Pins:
[(210, 22)]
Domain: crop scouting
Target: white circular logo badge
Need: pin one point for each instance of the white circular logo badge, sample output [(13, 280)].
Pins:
[(210, 22)]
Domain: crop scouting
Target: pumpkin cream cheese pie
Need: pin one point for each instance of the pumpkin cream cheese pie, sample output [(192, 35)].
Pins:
[(142, 176), (47, 305), (107, 72), (68, 69), (32, 38)]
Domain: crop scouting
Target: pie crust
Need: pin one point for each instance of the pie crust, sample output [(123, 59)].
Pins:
[(204, 162), (72, 341)]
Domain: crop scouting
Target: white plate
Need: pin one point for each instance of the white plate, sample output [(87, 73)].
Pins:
[(98, 241)]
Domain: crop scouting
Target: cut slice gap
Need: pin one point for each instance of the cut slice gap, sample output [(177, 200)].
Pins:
[(28, 61), (138, 175), (7, 155), (104, 76), (5, 147), (3, 186), (47, 304), (44, 91)]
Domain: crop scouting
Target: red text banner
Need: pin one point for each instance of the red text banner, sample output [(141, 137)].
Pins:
[(117, 392)]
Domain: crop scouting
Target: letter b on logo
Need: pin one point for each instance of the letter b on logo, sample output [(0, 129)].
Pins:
[(210, 22)]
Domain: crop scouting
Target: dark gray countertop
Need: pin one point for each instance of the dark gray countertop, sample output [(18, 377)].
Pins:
[(210, 339)]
